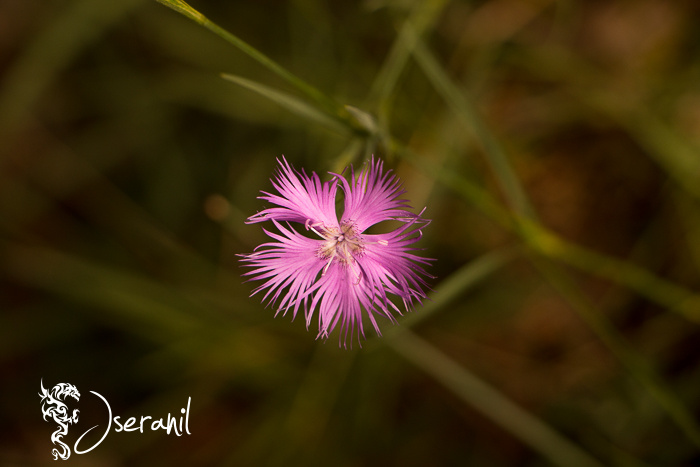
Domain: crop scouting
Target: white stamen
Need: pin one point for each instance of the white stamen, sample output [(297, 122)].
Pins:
[(328, 264), (310, 226)]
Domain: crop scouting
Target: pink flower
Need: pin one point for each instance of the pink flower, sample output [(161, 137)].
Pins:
[(337, 267)]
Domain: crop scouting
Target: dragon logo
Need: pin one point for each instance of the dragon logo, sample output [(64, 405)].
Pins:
[(53, 405)]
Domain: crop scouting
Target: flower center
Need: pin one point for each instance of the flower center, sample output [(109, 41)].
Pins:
[(343, 244)]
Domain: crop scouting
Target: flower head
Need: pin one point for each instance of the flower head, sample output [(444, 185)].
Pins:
[(337, 266)]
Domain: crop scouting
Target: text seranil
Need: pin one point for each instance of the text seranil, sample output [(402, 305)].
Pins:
[(168, 424)]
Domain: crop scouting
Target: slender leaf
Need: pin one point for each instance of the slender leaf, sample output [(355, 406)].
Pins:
[(291, 103), (465, 111), (326, 103), (490, 402), (458, 283), (634, 363)]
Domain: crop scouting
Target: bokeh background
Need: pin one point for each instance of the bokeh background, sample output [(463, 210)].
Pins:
[(554, 144)]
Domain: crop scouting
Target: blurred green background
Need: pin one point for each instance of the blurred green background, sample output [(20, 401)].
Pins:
[(555, 145)]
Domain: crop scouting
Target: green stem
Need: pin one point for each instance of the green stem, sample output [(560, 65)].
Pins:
[(552, 247), (625, 354), (326, 103), (473, 123), (663, 292), (490, 402)]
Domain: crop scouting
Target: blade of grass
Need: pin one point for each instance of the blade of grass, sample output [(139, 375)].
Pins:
[(139, 304), (421, 19), (467, 189), (291, 103), (674, 154), (325, 103), (466, 112), (457, 283), (663, 292), (634, 277), (554, 248), (679, 158), (310, 412), (624, 353), (490, 402)]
